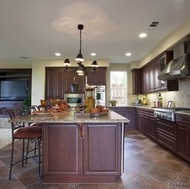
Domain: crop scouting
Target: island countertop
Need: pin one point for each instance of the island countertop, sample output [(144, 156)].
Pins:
[(71, 117)]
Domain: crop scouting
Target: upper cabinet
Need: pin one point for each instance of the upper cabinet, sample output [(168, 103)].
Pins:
[(98, 77), (58, 81), (148, 81), (136, 81)]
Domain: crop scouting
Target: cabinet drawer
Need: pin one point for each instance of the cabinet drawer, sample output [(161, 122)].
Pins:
[(167, 141), (168, 128), (183, 119)]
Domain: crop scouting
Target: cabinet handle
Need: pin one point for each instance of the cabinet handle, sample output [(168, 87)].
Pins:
[(81, 130)]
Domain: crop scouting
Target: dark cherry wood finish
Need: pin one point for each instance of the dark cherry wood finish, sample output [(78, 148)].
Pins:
[(80, 153), (175, 136), (136, 81), (146, 122), (183, 136), (127, 112), (58, 81), (145, 79), (167, 134)]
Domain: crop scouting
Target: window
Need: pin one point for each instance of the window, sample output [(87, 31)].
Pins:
[(118, 87)]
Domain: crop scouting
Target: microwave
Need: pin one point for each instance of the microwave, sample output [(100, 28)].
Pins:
[(74, 99)]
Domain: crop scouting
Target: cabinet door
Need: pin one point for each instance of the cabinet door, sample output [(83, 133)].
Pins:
[(102, 149), (153, 128), (131, 116), (183, 140), (156, 73), (151, 80), (59, 78), (55, 83), (136, 81), (166, 131), (98, 77), (63, 150), (50, 87), (141, 122)]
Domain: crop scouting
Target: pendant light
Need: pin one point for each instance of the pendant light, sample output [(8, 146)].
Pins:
[(81, 69)]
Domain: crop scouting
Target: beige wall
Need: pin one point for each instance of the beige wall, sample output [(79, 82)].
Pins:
[(170, 41)]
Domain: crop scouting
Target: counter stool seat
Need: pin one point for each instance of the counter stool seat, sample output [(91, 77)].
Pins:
[(28, 132)]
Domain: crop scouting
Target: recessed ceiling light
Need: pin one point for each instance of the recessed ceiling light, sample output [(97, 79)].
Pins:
[(128, 54), (57, 54), (93, 54), (142, 35)]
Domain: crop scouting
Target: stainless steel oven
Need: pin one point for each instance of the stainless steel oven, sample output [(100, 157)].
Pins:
[(99, 94), (74, 99)]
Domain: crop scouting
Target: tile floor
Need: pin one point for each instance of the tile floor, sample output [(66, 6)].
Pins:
[(147, 166)]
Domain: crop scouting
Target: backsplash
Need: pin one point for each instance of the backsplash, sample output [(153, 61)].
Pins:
[(180, 98)]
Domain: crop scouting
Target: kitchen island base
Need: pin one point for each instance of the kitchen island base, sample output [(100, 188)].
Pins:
[(82, 152)]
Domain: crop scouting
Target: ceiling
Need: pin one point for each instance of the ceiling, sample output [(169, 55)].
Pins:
[(37, 29)]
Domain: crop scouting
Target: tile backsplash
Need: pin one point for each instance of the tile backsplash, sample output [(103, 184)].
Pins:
[(180, 98)]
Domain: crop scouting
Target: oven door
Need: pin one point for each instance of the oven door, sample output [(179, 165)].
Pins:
[(74, 100)]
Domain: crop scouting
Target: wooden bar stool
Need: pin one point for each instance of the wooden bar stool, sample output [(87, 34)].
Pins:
[(22, 132)]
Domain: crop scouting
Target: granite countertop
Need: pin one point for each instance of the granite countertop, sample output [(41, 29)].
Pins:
[(71, 117)]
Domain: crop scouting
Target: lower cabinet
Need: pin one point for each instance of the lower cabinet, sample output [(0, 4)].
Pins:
[(101, 152), (127, 112), (167, 134), (175, 136), (183, 136), (81, 152), (146, 122)]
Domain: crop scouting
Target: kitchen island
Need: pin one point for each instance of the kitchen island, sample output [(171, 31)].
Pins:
[(78, 148)]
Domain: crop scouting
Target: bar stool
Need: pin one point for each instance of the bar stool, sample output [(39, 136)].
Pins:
[(22, 132)]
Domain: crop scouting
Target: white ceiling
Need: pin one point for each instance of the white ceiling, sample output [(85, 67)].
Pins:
[(38, 28)]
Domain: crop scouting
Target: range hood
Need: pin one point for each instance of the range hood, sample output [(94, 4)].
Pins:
[(178, 68)]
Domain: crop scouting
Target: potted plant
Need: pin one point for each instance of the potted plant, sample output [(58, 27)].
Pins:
[(26, 102), (113, 102)]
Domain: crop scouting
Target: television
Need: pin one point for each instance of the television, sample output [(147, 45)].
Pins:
[(13, 90)]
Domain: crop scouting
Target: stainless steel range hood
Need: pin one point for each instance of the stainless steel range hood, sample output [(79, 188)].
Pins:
[(179, 67)]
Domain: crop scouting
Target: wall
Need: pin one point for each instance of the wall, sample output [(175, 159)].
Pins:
[(167, 43)]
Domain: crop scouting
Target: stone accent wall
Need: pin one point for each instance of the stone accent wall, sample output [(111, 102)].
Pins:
[(5, 130)]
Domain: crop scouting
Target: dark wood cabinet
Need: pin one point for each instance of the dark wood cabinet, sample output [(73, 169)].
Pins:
[(136, 81), (98, 77), (183, 136), (127, 112), (149, 73), (146, 122), (175, 136), (58, 81), (81, 152), (63, 154), (55, 83), (167, 134), (100, 158), (140, 120)]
